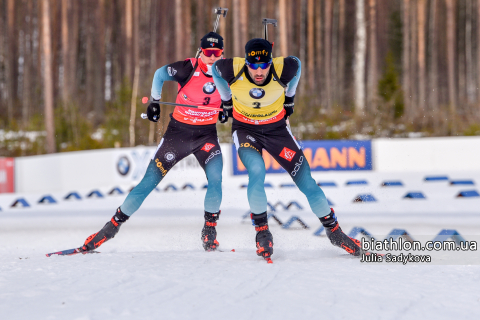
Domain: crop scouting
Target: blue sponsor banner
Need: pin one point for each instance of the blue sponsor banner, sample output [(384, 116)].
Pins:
[(322, 155)]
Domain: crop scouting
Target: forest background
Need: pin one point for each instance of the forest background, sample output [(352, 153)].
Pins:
[(72, 72)]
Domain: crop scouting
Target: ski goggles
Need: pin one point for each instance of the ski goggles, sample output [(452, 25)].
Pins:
[(216, 52), (255, 66)]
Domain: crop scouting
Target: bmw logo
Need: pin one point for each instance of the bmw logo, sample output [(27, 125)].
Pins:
[(169, 156), (209, 88), (123, 165), (257, 93)]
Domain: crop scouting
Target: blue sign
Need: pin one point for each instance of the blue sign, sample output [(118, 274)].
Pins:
[(322, 155)]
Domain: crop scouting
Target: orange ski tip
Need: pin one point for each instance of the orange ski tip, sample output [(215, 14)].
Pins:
[(233, 250), (269, 260), (144, 100)]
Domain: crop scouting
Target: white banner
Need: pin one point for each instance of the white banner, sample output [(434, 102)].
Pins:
[(100, 168), (126, 166)]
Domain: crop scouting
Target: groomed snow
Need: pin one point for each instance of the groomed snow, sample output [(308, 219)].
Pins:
[(156, 268)]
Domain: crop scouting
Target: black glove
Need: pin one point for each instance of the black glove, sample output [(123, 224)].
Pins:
[(288, 105), (153, 111), (227, 112)]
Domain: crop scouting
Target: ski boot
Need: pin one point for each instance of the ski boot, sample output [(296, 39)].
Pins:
[(337, 237), (209, 234), (108, 232), (264, 238)]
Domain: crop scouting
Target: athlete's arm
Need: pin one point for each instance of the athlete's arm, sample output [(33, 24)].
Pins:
[(222, 73), (290, 76), (178, 71), (292, 70)]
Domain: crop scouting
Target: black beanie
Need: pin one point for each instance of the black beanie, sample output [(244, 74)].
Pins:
[(212, 40), (258, 50)]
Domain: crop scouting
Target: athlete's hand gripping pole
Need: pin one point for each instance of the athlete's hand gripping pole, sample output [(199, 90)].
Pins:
[(146, 100), (289, 106), (227, 111)]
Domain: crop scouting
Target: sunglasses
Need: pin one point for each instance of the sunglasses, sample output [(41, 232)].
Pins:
[(255, 66), (216, 52)]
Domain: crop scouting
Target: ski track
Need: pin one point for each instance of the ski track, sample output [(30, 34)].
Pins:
[(113, 286), (156, 268), (135, 278)]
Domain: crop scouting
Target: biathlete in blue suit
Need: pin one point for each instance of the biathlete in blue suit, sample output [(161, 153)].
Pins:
[(190, 131)]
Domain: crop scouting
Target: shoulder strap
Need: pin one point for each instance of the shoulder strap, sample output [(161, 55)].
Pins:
[(190, 76), (236, 77), (238, 65), (277, 77)]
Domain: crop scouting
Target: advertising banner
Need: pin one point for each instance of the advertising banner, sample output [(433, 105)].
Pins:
[(324, 155), (7, 175), (131, 163)]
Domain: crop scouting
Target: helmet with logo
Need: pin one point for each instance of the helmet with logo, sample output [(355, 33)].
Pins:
[(211, 40), (258, 50)]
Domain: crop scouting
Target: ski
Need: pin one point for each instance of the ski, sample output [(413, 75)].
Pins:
[(70, 252), (269, 260), (220, 250)]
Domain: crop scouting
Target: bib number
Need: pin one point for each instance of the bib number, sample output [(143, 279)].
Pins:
[(206, 101), (256, 105)]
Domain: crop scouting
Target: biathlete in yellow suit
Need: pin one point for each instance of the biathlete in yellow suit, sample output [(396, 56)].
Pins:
[(258, 93)]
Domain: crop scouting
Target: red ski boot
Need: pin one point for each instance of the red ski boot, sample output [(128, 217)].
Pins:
[(108, 232), (337, 237), (209, 233), (264, 238)]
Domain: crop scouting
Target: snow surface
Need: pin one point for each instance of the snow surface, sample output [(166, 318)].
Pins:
[(156, 268)]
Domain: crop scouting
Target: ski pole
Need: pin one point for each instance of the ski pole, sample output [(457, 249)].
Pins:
[(218, 11), (145, 100), (265, 23)]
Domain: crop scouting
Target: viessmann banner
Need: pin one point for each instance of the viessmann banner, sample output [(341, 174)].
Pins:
[(321, 155)]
